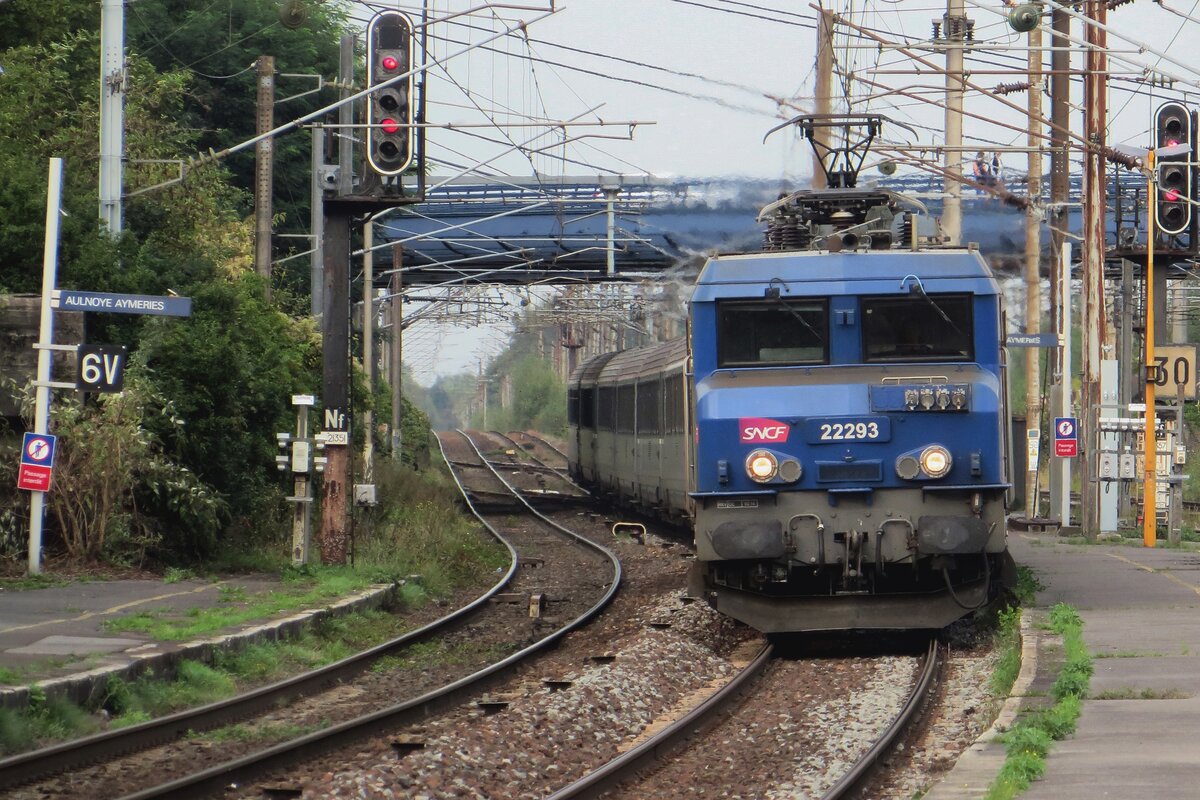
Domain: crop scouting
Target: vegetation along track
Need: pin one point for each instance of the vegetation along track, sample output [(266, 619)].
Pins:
[(812, 727), (327, 708)]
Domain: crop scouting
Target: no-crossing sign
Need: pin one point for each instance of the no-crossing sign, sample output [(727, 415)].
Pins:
[(1066, 437), (37, 462)]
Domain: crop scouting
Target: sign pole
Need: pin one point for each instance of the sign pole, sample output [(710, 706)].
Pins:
[(1149, 486), (41, 419)]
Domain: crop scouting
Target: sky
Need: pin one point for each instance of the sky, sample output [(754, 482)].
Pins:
[(714, 76)]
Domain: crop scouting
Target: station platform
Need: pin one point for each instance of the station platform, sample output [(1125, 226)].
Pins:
[(1138, 732), (57, 637)]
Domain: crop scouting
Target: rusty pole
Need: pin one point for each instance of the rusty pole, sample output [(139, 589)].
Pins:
[(1095, 117)]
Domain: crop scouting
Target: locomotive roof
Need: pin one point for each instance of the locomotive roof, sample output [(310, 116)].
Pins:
[(860, 272)]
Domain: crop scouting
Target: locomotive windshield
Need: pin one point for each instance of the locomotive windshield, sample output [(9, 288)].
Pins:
[(780, 331), (917, 327)]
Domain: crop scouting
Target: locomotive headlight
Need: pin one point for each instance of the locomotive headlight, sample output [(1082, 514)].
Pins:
[(935, 461), (761, 466)]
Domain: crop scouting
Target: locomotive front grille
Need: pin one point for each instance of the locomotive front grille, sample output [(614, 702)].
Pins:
[(832, 471)]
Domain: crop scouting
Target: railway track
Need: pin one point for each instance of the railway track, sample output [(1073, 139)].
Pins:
[(1188, 505), (343, 700), (656, 767)]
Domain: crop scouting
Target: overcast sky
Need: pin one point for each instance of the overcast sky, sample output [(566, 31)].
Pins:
[(716, 75)]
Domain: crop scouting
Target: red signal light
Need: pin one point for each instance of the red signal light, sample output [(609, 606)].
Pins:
[(389, 125), (390, 63), (1170, 195)]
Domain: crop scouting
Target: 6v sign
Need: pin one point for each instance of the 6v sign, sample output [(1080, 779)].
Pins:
[(100, 368)]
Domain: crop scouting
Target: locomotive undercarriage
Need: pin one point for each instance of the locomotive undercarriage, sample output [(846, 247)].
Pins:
[(855, 567)]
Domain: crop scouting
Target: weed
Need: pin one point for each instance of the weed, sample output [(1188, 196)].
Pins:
[(1144, 694), (1028, 742), (177, 575), (1027, 586)]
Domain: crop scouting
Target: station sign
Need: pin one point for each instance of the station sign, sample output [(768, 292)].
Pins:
[(1031, 340), (105, 302)]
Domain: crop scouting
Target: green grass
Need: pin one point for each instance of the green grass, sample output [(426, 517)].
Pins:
[(418, 531), (41, 581), (236, 607), (1143, 694), (1028, 742), (257, 734)]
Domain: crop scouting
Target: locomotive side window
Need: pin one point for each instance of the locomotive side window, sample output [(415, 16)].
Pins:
[(917, 327), (572, 406), (774, 332)]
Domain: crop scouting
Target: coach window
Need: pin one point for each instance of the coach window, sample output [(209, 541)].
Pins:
[(587, 408), (766, 333), (917, 327), (625, 408), (649, 409), (607, 410)]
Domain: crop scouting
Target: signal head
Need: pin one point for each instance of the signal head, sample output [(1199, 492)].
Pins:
[(389, 135)]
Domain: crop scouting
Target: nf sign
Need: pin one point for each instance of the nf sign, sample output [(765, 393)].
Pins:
[(100, 368), (336, 432)]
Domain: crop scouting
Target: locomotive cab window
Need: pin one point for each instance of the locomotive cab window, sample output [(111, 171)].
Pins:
[(774, 332), (917, 327)]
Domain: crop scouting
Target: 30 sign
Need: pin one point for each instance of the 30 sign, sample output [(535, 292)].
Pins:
[(1175, 366), (100, 368)]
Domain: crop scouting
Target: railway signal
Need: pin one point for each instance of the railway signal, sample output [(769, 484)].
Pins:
[(389, 108), (1173, 129)]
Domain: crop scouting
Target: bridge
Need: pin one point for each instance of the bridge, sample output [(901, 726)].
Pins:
[(590, 229)]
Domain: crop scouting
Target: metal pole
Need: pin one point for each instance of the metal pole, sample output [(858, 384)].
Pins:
[(953, 31), (397, 352), (1064, 337), (823, 91), (302, 491), (112, 112), (368, 349), (263, 169), (1060, 195), (1095, 103), (610, 255), (41, 408), (335, 351), (1150, 451), (1033, 252), (346, 116), (316, 264)]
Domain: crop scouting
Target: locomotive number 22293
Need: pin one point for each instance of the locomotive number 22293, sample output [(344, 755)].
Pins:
[(849, 430), (840, 432)]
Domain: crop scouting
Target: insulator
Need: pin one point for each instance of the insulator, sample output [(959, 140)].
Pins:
[(937, 31), (907, 232), (791, 234), (1009, 88), (1124, 159), (1115, 4)]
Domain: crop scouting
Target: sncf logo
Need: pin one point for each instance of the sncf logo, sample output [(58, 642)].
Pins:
[(757, 429)]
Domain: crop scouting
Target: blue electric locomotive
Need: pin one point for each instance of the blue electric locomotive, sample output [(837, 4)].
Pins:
[(834, 428)]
